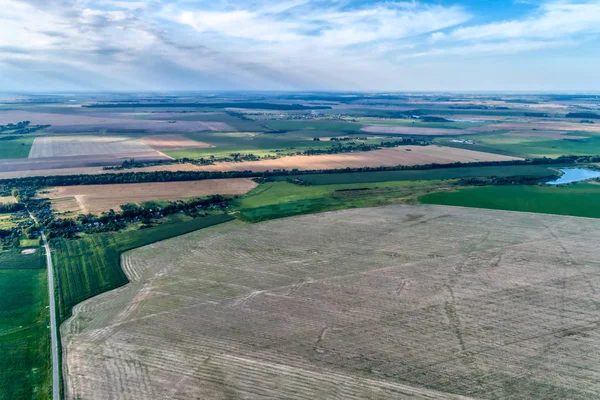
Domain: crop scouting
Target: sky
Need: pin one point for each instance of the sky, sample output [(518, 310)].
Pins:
[(337, 45)]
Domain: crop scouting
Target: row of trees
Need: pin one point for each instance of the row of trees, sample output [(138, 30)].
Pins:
[(145, 214), (32, 183), (22, 128)]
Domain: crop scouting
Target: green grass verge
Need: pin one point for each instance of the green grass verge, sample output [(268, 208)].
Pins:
[(420, 175), (15, 148), (25, 364), (91, 265), (580, 200), (283, 199)]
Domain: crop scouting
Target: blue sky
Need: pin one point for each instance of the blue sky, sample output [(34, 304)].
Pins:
[(445, 45)]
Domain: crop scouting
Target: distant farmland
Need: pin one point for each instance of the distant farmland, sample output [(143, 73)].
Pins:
[(384, 303), (403, 155), (419, 131)]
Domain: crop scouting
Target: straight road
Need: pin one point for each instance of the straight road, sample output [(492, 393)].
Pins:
[(53, 329)]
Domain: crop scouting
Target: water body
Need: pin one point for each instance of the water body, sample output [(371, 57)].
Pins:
[(571, 175)]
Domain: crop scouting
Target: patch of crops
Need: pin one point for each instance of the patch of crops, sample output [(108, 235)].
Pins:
[(577, 200), (14, 259), (25, 361), (91, 265)]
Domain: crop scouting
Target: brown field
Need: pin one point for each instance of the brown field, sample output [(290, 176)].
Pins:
[(67, 146), (408, 130), (90, 170), (74, 122), (396, 302), (170, 142), (404, 155), (98, 198), (7, 200)]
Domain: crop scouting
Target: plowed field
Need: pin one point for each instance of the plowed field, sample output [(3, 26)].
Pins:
[(385, 303), (404, 155), (97, 198)]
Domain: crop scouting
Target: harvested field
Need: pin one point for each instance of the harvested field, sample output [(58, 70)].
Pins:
[(98, 198), (90, 170), (404, 155), (73, 122), (409, 130), (170, 142), (385, 303), (66, 146)]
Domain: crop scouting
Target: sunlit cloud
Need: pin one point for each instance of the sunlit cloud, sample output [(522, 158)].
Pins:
[(266, 44)]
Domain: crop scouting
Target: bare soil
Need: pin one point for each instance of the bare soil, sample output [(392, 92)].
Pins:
[(385, 303), (98, 198), (171, 142), (404, 155), (65, 146)]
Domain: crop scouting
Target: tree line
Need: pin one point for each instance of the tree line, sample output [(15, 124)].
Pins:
[(31, 183)]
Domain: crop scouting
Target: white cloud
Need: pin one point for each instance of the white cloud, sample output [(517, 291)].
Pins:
[(330, 27), (268, 44), (496, 48), (553, 20)]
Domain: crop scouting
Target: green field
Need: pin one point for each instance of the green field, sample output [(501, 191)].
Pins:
[(530, 147), (419, 175), (580, 200), (89, 266), (421, 124), (15, 148), (24, 242), (237, 123), (317, 125), (259, 144), (13, 259), (25, 361), (282, 199)]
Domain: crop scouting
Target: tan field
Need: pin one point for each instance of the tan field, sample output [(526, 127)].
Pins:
[(408, 130), (98, 198), (7, 200), (170, 142), (404, 155), (395, 302)]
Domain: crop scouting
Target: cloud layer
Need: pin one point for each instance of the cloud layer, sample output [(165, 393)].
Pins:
[(295, 44)]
